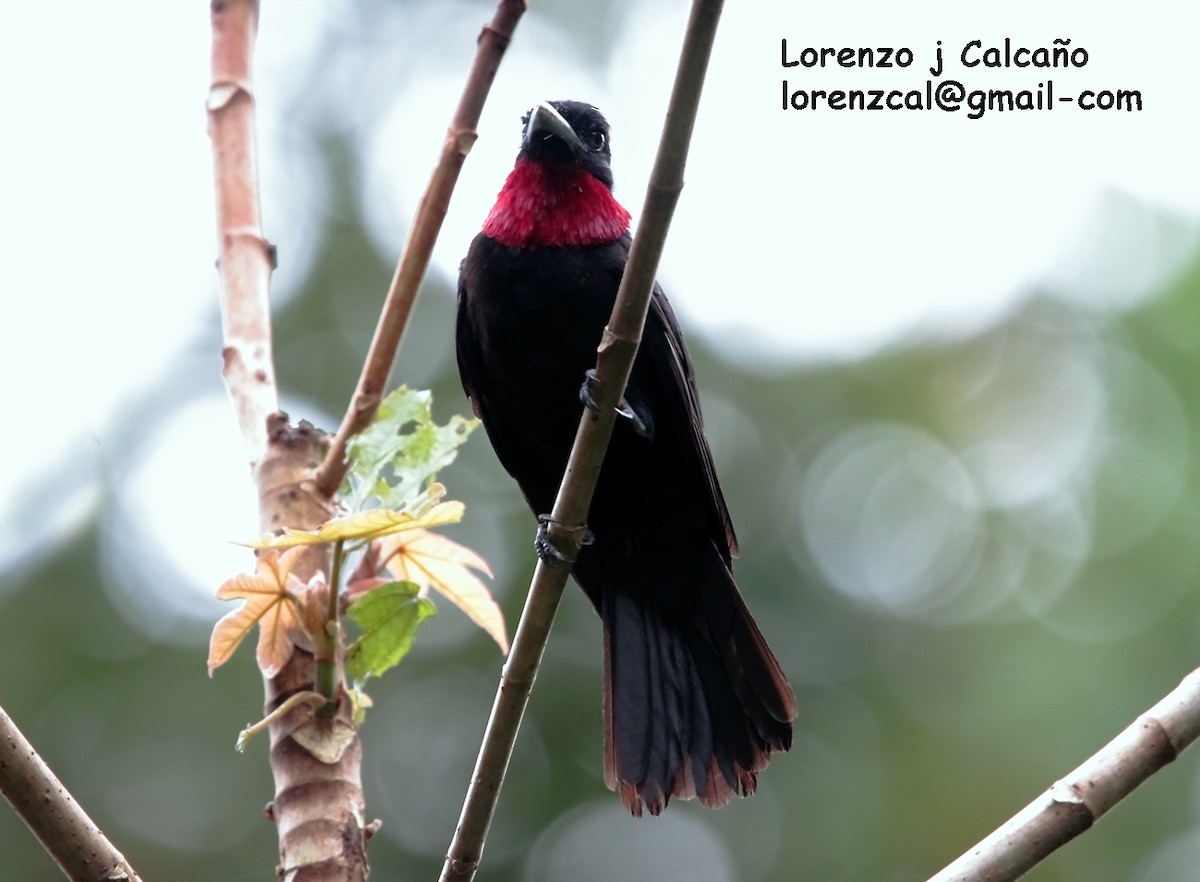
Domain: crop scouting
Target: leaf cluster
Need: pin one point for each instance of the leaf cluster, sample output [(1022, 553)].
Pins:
[(387, 506)]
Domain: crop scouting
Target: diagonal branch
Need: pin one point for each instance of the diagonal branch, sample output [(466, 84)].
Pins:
[(78, 847), (1074, 803), (427, 223), (614, 362)]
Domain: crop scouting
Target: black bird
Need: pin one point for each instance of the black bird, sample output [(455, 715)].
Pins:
[(694, 701)]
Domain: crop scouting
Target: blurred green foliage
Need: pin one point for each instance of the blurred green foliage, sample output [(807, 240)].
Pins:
[(923, 724)]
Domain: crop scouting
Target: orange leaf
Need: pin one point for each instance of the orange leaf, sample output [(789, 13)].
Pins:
[(270, 598), (433, 561)]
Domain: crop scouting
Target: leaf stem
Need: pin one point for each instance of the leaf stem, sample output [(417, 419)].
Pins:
[(326, 673), (312, 699)]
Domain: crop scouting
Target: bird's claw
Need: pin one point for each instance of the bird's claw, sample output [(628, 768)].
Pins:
[(635, 421), (547, 550), (623, 409), (585, 391)]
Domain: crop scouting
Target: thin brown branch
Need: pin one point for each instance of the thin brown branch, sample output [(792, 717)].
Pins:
[(427, 223), (1076, 802), (614, 362), (55, 818), (315, 760), (245, 258)]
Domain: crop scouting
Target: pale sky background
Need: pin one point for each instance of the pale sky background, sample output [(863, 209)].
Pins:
[(800, 235)]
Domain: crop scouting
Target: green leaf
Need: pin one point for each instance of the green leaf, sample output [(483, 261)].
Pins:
[(398, 455), (389, 616)]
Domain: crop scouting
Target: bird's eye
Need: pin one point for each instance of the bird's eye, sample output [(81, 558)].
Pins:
[(596, 139)]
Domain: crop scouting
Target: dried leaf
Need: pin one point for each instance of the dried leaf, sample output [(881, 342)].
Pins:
[(433, 561), (325, 739)]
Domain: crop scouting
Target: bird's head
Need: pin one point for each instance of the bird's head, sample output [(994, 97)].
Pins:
[(560, 191), (568, 133)]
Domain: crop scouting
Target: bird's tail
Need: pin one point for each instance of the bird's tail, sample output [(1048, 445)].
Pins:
[(694, 700)]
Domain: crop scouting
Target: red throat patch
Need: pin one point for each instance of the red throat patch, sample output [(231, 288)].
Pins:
[(554, 206)]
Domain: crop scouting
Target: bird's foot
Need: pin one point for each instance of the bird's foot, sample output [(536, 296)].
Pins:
[(623, 409), (547, 550)]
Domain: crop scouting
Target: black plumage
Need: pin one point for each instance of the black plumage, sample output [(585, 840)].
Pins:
[(694, 700)]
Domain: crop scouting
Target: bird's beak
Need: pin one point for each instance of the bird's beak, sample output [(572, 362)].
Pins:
[(546, 122)]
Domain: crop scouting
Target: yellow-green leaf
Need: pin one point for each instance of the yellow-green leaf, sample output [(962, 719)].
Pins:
[(366, 525)]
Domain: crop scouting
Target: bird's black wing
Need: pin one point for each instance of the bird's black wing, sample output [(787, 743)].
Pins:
[(472, 372), (682, 407)]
